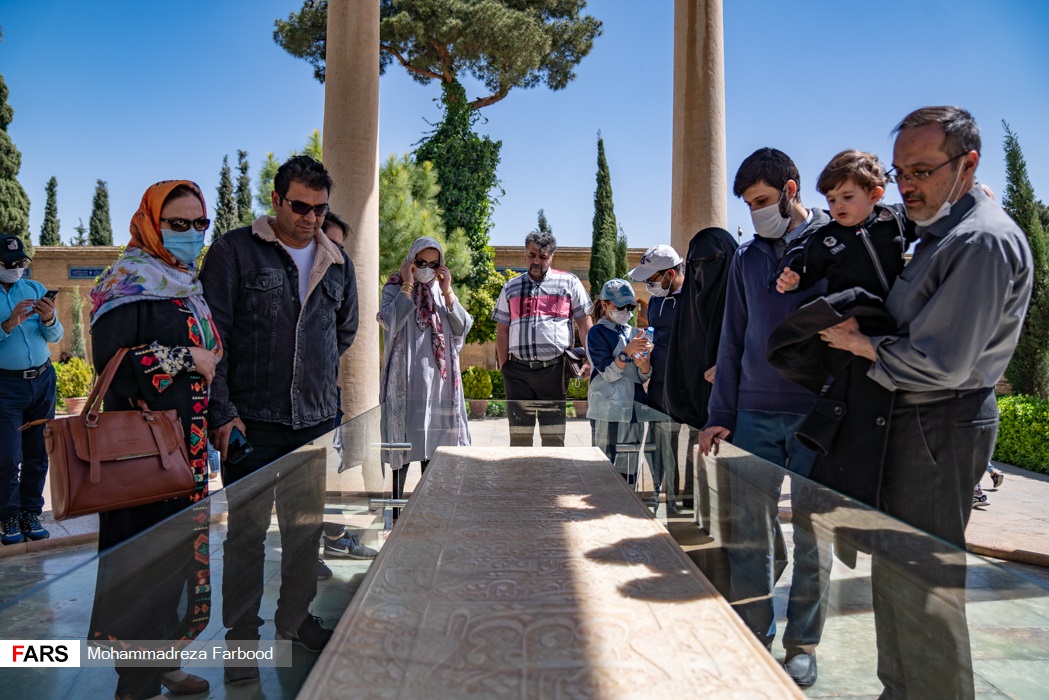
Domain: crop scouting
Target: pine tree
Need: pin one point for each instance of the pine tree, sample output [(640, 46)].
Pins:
[(76, 333), (100, 230), (49, 234), (543, 225), (14, 202), (1028, 371), (80, 239), (226, 205), (604, 240), (244, 212)]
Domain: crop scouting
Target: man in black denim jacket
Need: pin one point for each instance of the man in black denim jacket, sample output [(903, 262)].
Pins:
[(284, 299)]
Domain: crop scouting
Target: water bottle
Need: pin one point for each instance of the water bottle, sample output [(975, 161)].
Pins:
[(650, 334)]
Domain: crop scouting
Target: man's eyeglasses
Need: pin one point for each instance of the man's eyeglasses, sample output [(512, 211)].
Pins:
[(24, 262), (183, 225), (302, 208), (919, 175), (432, 265)]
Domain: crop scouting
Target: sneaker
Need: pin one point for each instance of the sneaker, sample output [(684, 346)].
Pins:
[(12, 531), (31, 527), (349, 545), (323, 572), (310, 635), (997, 477), (979, 497)]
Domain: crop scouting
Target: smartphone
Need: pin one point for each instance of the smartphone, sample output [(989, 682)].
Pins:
[(238, 447), (51, 294)]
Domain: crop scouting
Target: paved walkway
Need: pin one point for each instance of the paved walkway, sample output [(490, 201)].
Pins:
[(1014, 525)]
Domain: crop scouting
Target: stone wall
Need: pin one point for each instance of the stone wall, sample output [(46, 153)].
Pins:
[(65, 268)]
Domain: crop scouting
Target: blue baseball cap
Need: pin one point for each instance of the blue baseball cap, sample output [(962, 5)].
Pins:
[(619, 292)]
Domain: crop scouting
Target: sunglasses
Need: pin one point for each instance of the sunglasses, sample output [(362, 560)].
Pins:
[(432, 265), (183, 225), (303, 209), (628, 307), (24, 262)]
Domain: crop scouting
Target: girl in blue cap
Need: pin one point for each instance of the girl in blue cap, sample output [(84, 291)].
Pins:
[(621, 363)]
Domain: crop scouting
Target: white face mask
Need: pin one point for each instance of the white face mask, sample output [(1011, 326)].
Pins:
[(620, 316), (11, 276), (769, 222), (945, 208), (425, 275), (656, 289)]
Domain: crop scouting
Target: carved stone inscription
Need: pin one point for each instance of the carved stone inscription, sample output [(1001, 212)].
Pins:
[(537, 573)]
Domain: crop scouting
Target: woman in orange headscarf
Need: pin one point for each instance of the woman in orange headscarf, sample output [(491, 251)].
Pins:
[(151, 301)]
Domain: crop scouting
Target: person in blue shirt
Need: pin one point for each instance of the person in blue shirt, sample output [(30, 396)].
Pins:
[(620, 363), (27, 393)]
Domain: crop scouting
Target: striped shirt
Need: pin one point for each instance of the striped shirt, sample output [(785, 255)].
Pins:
[(540, 314)]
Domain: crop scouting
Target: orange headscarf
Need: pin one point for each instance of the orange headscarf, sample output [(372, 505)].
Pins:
[(145, 224)]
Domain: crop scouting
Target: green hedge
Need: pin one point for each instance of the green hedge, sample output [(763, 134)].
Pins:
[(498, 390), (1023, 432)]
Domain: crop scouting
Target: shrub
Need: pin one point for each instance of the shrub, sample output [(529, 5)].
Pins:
[(496, 409), (1023, 432), (498, 390), (74, 378), (477, 384), (578, 388)]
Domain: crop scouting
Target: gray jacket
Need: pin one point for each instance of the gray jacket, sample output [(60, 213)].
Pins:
[(280, 358)]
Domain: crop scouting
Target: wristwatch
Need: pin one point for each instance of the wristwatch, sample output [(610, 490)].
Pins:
[(623, 357)]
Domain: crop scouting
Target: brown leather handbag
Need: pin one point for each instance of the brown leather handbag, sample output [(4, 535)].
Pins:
[(102, 461)]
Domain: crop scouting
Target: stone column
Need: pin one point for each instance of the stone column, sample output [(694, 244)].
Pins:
[(700, 182), (351, 154)]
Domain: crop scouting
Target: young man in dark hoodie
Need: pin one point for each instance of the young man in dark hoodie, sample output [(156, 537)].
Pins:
[(760, 410)]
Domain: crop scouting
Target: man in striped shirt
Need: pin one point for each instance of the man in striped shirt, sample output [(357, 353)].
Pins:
[(534, 316)]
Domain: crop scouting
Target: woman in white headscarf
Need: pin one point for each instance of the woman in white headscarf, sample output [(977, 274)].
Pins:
[(422, 390)]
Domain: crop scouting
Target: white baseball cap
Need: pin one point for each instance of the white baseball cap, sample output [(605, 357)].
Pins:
[(656, 259)]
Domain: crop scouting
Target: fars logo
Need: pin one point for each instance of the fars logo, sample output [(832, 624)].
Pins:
[(22, 653)]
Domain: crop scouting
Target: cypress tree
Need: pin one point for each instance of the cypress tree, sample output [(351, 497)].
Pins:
[(80, 239), (76, 333), (244, 212), (544, 225), (49, 231), (100, 230), (1028, 372), (14, 202), (622, 267), (604, 240), (226, 218), (466, 171)]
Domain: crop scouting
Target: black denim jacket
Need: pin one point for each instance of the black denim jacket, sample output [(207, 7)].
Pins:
[(280, 358)]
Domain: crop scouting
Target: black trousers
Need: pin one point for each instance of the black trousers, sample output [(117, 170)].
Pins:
[(533, 394), (253, 485), (936, 455)]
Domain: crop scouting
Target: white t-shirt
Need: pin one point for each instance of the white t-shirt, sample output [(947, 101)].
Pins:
[(303, 258)]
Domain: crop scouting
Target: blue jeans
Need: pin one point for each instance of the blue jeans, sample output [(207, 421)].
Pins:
[(22, 401), (757, 552)]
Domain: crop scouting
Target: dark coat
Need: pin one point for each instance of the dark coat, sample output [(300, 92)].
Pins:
[(696, 333), (849, 427)]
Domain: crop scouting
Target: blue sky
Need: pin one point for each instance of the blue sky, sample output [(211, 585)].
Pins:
[(133, 92)]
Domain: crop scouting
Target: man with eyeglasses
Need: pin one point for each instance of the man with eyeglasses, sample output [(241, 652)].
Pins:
[(534, 318), (284, 299), (959, 306), (27, 393), (663, 272)]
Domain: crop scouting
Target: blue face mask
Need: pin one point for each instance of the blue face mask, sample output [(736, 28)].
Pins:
[(184, 245)]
